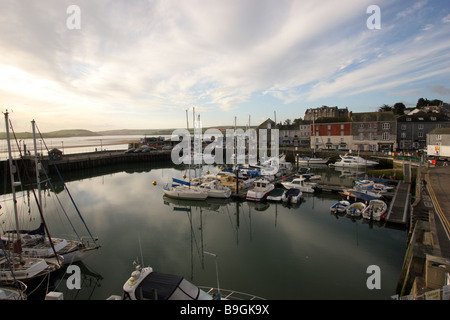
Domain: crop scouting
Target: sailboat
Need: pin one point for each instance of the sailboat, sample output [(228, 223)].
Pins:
[(36, 244), (182, 190), (14, 266)]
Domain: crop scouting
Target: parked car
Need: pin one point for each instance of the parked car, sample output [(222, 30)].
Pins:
[(130, 150)]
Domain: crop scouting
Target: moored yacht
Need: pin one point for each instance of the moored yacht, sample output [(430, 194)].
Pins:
[(354, 162), (260, 191)]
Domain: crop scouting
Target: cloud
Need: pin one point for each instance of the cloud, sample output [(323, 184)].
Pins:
[(412, 9), (439, 89), (161, 57)]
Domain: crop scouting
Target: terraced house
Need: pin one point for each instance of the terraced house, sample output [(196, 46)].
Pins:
[(374, 131), (412, 129), (331, 135)]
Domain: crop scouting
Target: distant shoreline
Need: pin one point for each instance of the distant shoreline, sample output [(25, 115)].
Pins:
[(87, 133)]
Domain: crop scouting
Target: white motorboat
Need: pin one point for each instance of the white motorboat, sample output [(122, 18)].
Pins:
[(300, 183), (292, 195), (276, 194), (308, 161), (260, 191), (146, 284), (354, 162), (376, 210), (340, 206), (355, 209)]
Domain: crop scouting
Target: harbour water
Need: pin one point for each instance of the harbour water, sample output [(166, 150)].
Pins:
[(271, 250)]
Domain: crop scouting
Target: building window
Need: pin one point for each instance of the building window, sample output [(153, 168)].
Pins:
[(403, 135), (438, 137), (433, 118), (408, 119), (361, 136), (420, 126), (342, 133), (403, 126), (420, 134), (361, 125), (438, 125), (386, 126), (329, 127), (342, 127), (385, 136)]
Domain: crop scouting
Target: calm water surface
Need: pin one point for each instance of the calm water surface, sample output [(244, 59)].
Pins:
[(267, 249)]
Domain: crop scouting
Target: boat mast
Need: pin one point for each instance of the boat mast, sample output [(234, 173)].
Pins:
[(38, 178), (13, 184)]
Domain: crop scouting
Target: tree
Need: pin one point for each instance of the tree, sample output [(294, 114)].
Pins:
[(422, 103), (385, 107), (297, 121), (399, 108)]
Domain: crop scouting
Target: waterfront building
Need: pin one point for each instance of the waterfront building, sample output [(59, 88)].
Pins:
[(412, 129), (295, 135), (331, 135), (438, 143), (374, 131), (269, 125), (325, 112)]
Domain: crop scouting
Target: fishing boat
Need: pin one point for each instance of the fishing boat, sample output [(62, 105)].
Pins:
[(340, 206), (355, 209), (292, 195), (300, 183), (376, 210), (354, 162), (308, 161), (260, 191), (276, 194)]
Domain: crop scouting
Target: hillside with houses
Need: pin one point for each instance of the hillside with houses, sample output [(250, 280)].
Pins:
[(390, 129)]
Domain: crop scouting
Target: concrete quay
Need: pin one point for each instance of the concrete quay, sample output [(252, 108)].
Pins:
[(426, 266)]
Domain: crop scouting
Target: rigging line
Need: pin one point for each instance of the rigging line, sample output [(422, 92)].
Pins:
[(65, 187), (62, 207), (35, 197)]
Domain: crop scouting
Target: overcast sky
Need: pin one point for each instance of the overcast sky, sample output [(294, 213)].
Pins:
[(142, 64)]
